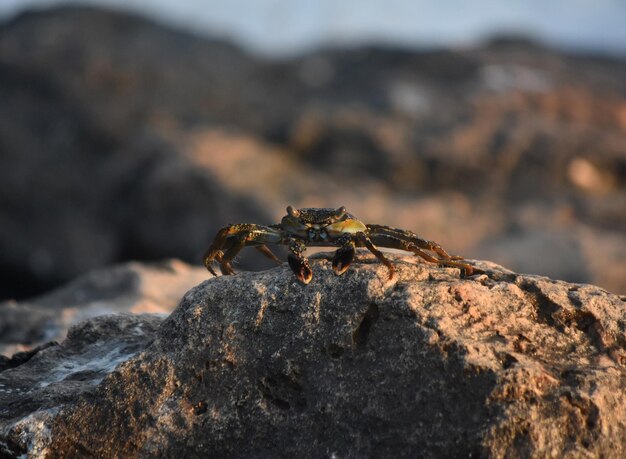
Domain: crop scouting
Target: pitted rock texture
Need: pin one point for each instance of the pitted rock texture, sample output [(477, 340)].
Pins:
[(426, 364)]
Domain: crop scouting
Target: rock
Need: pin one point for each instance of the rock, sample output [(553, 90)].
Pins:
[(80, 126), (131, 287), (257, 364), (133, 133), (32, 393), (20, 358)]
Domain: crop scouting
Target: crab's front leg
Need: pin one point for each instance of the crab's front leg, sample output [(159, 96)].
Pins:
[(231, 239)]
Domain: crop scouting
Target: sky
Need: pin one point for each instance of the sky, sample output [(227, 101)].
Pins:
[(286, 27)]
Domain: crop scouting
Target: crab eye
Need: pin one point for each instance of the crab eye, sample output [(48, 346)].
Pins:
[(340, 212), (311, 233), (293, 212), (323, 234)]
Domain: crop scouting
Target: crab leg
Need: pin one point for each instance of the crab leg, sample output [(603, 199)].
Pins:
[(229, 241), (364, 240), (409, 236), (265, 250), (225, 263), (393, 242), (214, 252)]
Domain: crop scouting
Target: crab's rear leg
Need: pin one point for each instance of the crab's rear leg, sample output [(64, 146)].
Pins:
[(215, 250), (231, 239), (363, 240), (265, 250), (239, 243), (409, 236), (392, 242)]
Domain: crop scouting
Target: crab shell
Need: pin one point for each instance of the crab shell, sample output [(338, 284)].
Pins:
[(321, 226)]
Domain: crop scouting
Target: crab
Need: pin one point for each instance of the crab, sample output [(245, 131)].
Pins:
[(319, 227)]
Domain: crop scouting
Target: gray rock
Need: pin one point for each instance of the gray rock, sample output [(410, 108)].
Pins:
[(31, 394), (130, 287), (426, 364)]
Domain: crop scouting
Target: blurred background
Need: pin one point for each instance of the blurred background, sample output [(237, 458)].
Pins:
[(133, 130)]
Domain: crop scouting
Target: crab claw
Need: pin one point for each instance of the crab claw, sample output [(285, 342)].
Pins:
[(300, 267), (342, 259)]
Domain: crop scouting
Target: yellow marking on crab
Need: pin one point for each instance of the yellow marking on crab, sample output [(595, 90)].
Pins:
[(349, 225)]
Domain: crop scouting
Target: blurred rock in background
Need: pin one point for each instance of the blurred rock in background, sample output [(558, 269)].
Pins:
[(122, 139), (137, 288)]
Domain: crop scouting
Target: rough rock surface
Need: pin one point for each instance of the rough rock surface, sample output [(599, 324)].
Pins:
[(130, 287), (32, 393), (428, 364)]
